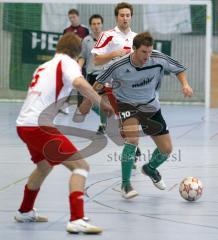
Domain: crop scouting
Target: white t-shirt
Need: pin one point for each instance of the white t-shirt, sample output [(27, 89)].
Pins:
[(51, 82), (113, 40)]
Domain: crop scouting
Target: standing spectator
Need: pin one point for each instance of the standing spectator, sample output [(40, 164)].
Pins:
[(86, 58), (75, 27)]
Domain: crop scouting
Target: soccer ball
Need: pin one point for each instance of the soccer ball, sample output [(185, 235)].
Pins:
[(191, 189)]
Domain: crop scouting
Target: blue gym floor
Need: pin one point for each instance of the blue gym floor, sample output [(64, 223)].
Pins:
[(154, 214)]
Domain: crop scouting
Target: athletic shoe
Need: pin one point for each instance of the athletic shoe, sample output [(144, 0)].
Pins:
[(31, 216), (154, 176), (80, 225), (128, 192), (101, 130)]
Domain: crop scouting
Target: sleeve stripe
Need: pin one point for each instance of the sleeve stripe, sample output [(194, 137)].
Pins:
[(104, 43), (115, 65), (168, 59)]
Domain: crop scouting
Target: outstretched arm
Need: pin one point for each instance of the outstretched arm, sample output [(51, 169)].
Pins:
[(86, 104), (91, 97), (107, 57), (186, 88)]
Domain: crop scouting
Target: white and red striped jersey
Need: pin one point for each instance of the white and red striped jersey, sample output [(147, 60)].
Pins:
[(113, 40), (51, 81)]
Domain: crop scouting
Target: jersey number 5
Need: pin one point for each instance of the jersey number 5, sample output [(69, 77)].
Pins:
[(36, 78)]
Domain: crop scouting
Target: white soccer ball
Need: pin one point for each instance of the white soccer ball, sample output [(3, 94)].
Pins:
[(191, 188)]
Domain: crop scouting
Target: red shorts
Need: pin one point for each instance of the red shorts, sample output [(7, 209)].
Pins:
[(46, 143)]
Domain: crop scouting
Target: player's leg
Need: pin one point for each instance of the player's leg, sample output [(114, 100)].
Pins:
[(79, 95), (130, 129), (79, 172), (103, 118), (159, 156), (78, 115), (164, 148), (113, 103), (64, 152), (26, 212)]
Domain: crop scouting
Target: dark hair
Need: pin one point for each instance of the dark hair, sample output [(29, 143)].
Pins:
[(73, 11), (96, 16), (69, 44), (121, 6), (143, 38)]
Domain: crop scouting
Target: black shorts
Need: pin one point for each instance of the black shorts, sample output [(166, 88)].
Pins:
[(91, 78), (152, 123)]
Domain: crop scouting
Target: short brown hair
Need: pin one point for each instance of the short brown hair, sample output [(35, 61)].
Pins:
[(69, 44), (144, 38), (121, 6), (73, 11), (94, 16)]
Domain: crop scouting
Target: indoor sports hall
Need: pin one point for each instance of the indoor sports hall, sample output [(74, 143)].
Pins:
[(187, 31)]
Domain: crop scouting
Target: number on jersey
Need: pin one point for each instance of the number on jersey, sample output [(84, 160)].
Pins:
[(36, 78)]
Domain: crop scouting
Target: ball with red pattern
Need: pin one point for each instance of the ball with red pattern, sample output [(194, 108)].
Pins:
[(191, 188)]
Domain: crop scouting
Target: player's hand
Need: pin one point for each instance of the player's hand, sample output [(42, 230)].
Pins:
[(122, 52), (187, 90), (106, 108), (98, 86), (85, 106)]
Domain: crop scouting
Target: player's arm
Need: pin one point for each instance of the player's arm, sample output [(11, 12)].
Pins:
[(186, 88), (81, 61), (91, 95), (86, 104), (98, 86), (83, 55), (100, 59), (173, 66), (102, 51)]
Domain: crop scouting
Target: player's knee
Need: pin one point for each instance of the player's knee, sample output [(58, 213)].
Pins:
[(168, 149), (81, 169), (76, 164), (133, 141), (82, 164), (44, 169), (85, 166)]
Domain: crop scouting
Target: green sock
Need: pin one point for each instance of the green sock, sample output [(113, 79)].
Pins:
[(103, 118), (96, 109), (127, 159), (157, 158)]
